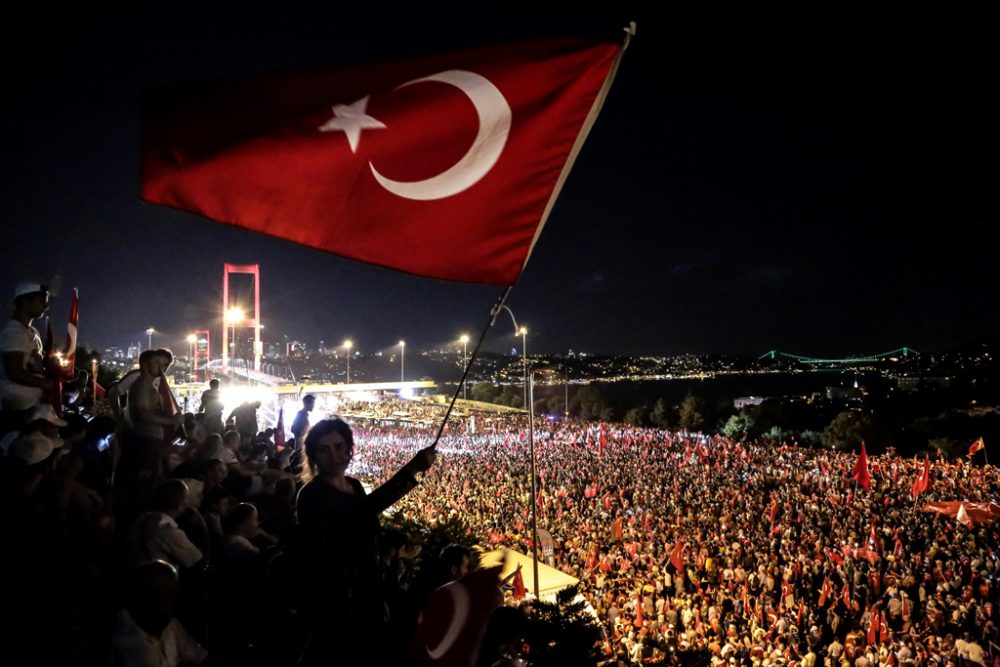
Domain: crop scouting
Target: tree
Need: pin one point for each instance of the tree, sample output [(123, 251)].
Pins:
[(738, 426), (691, 413), (849, 429), (562, 633), (663, 413), (638, 416)]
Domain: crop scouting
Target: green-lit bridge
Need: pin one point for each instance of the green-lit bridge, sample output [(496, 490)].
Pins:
[(891, 355)]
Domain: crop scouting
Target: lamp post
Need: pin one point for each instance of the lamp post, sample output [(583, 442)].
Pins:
[(524, 361), (402, 354), (348, 344), (465, 363), (234, 315), (534, 481), (523, 332), (149, 338)]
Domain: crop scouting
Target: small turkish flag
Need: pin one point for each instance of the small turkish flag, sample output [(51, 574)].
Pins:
[(444, 166), (451, 626)]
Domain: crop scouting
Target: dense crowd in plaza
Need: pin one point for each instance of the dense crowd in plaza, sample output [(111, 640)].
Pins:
[(138, 535)]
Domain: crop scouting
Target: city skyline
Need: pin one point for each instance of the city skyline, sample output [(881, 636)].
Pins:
[(804, 182)]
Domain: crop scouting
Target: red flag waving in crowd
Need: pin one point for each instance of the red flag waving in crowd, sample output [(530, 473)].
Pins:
[(976, 446), (861, 474), (74, 315), (922, 480), (676, 557), (444, 166)]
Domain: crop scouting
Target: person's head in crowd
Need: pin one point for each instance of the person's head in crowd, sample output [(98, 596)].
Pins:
[(213, 471), (218, 501), (35, 452), (308, 402), (390, 542), (75, 429), (284, 490), (43, 419), (329, 446), (151, 595), (454, 561), (502, 637), (231, 439), (155, 362), (30, 302), (242, 521), (213, 384), (170, 497)]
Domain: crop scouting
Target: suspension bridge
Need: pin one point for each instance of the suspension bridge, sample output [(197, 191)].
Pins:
[(898, 354)]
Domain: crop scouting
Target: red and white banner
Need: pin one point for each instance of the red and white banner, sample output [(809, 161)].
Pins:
[(74, 316), (444, 166)]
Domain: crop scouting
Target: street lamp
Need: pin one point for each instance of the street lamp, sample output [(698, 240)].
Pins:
[(149, 338), (524, 360), (523, 332), (348, 344), (402, 352), (465, 363), (232, 316)]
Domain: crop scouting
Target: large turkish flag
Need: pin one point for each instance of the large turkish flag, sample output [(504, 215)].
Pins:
[(443, 166)]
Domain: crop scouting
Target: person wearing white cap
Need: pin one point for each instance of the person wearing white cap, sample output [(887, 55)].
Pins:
[(42, 424), (21, 382)]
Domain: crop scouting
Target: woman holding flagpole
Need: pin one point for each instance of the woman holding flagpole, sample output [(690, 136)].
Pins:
[(339, 525)]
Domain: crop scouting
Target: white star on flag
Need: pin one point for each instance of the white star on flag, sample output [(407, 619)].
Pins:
[(351, 119)]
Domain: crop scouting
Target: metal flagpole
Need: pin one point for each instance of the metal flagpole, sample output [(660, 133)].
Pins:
[(482, 336)]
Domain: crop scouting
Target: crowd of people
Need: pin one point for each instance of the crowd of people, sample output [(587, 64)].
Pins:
[(143, 536)]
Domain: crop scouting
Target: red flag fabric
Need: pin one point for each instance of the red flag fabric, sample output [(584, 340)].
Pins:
[(451, 625), (883, 630), (519, 591), (676, 559), (845, 595), (74, 316), (861, 473), (443, 166), (962, 516), (639, 620), (834, 556), (976, 446), (873, 628), (923, 479), (279, 430), (824, 592), (592, 558), (618, 528), (606, 501)]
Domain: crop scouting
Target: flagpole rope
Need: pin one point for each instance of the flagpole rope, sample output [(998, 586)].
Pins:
[(472, 358)]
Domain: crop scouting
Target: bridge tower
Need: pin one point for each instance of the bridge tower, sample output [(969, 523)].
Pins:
[(231, 323)]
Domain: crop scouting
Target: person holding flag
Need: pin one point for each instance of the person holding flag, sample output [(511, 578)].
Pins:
[(340, 526), (152, 418), (922, 481), (22, 384), (861, 474)]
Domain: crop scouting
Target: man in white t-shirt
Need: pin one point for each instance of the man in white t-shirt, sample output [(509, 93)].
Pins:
[(22, 385)]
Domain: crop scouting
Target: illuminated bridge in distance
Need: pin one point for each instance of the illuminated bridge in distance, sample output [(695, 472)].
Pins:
[(891, 355)]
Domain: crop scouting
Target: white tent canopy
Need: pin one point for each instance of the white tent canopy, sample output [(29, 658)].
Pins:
[(550, 580)]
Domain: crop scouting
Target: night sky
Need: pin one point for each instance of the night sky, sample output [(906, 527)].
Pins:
[(812, 182)]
